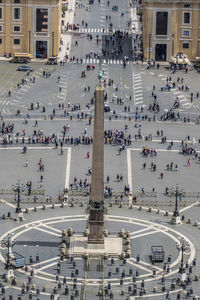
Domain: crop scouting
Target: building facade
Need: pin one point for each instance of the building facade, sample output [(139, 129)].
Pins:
[(30, 26), (171, 26)]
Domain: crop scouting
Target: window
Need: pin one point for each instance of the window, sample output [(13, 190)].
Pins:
[(1, 28), (161, 23), (186, 18), (16, 1), (16, 41), (1, 13), (17, 13), (16, 28), (0, 41), (187, 5), (185, 45), (186, 33), (41, 20)]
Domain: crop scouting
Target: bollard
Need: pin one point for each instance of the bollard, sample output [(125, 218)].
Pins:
[(135, 292), (169, 258), (196, 277), (178, 297), (168, 269), (142, 284), (66, 290), (37, 258), (163, 288), (11, 296), (164, 267), (173, 285)]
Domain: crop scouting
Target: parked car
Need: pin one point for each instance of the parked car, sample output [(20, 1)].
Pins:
[(25, 68), (106, 107)]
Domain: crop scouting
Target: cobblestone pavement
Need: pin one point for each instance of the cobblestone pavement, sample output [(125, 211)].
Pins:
[(57, 110)]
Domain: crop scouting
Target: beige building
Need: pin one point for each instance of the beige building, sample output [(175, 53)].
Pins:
[(30, 26), (171, 26)]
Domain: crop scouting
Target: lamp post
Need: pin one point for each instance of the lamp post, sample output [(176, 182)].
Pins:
[(176, 217), (9, 244), (173, 35), (182, 247), (18, 189)]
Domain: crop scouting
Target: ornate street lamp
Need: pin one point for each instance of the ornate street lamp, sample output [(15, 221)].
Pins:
[(18, 189), (178, 194), (9, 243), (182, 247)]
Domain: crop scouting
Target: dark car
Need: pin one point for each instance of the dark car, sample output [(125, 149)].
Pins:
[(25, 68), (106, 107)]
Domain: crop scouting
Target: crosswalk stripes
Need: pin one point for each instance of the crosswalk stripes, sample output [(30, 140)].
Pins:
[(137, 90), (101, 30), (105, 61)]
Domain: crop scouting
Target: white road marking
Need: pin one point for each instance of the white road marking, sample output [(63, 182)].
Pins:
[(9, 204), (144, 234), (47, 231)]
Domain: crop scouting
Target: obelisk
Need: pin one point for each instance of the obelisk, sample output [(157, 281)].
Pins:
[(96, 204)]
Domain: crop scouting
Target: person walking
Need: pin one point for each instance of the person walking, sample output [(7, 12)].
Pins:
[(107, 179)]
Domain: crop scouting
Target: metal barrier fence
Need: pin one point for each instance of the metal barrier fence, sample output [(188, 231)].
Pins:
[(33, 192)]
